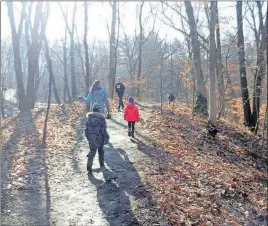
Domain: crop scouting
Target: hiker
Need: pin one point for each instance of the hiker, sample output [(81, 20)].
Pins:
[(119, 89), (131, 116), (97, 95), (96, 135), (171, 98)]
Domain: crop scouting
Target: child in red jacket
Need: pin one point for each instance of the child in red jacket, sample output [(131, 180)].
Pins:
[(131, 116)]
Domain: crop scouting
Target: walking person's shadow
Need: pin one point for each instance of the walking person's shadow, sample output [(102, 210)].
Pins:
[(121, 182)]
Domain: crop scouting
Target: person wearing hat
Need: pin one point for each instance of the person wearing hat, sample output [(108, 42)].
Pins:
[(96, 134), (132, 116)]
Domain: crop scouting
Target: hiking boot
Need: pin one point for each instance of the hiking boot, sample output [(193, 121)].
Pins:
[(132, 134), (129, 133)]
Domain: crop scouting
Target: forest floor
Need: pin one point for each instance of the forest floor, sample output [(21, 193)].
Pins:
[(172, 173)]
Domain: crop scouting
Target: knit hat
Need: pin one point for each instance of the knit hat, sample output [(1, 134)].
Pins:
[(131, 100), (96, 107)]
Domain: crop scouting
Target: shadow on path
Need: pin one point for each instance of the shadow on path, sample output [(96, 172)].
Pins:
[(25, 188), (121, 190)]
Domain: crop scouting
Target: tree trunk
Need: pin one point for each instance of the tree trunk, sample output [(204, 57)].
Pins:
[(201, 100), (88, 82), (49, 64), (260, 68), (140, 52), (33, 53), (212, 64), (23, 103), (112, 63), (72, 51), (242, 66), (219, 65), (66, 86)]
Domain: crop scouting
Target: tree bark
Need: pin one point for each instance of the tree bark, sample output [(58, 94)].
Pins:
[(201, 99), (260, 67), (16, 36), (212, 64), (242, 67)]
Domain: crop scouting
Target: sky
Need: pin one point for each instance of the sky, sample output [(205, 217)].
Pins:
[(100, 14)]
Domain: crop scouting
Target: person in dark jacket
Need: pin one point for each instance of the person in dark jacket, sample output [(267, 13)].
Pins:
[(120, 89), (96, 135), (171, 98)]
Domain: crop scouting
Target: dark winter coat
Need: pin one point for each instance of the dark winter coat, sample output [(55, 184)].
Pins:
[(119, 88), (95, 131)]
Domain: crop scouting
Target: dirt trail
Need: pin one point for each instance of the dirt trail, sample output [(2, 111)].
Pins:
[(66, 195)]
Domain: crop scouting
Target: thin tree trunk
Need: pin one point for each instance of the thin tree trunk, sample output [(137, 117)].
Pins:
[(219, 65), (66, 86), (73, 78), (112, 64), (49, 64), (260, 69), (201, 100), (212, 64), (88, 81), (140, 52), (242, 67)]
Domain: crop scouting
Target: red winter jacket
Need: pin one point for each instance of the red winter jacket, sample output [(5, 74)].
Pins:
[(131, 113)]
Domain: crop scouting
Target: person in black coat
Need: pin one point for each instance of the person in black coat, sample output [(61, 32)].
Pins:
[(96, 134), (171, 98), (120, 89)]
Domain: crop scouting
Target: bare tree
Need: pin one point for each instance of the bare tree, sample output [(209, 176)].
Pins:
[(72, 49), (140, 50), (49, 64), (88, 78), (261, 41), (34, 45), (112, 62), (201, 100), (242, 67), (212, 64), (16, 37)]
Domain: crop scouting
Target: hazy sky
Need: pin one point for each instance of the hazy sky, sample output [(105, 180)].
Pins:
[(100, 15)]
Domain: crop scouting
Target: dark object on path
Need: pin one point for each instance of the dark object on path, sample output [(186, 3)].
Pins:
[(171, 98), (212, 130)]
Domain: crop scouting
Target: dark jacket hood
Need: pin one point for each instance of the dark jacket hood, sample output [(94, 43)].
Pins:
[(96, 114)]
